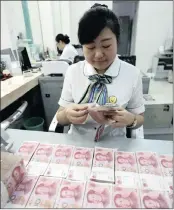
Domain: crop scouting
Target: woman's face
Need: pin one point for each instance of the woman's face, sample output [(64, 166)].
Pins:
[(94, 198), (67, 193), (152, 204), (102, 51), (122, 202), (60, 45)]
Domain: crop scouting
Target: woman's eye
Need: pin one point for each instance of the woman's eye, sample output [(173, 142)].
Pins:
[(90, 48), (106, 46)]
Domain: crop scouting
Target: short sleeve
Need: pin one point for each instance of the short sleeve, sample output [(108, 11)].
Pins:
[(66, 95), (136, 103)]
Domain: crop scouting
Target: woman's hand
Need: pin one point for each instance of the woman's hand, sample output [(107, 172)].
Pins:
[(121, 118), (76, 113)]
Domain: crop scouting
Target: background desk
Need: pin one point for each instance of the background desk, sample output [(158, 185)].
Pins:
[(19, 136), (15, 87)]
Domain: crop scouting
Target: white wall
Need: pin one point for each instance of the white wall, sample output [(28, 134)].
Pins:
[(77, 9), (35, 22), (154, 25), (5, 32), (14, 19), (47, 24), (75, 15)]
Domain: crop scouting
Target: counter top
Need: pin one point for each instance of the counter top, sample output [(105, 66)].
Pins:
[(15, 87), (161, 91), (133, 145)]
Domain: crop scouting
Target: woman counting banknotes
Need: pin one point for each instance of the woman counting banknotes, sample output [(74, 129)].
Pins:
[(101, 95)]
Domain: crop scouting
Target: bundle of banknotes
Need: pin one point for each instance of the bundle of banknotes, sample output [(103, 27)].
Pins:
[(103, 165), (40, 160), (79, 177), (80, 168), (60, 162)]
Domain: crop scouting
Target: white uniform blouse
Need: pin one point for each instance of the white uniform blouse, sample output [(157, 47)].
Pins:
[(69, 52), (126, 86)]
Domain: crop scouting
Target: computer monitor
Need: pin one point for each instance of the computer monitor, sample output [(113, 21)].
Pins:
[(24, 58)]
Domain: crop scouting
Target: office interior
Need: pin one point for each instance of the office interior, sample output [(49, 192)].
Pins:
[(32, 73)]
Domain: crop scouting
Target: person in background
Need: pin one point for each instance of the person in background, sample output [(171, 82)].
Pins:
[(63, 44), (102, 78)]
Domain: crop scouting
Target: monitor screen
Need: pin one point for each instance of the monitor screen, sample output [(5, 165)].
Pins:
[(24, 58)]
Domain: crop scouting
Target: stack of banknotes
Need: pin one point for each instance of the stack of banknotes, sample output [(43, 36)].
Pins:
[(65, 176)]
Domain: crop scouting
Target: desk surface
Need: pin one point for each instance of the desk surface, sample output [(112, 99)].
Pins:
[(159, 146), (15, 87)]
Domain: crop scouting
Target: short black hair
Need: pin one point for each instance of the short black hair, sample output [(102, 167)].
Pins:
[(63, 38), (94, 21)]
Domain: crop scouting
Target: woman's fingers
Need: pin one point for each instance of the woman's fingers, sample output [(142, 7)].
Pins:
[(78, 120), (78, 113), (118, 125)]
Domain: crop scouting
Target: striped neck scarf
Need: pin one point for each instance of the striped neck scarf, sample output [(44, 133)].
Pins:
[(97, 92)]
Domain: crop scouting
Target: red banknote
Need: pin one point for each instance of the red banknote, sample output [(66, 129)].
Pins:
[(97, 114), (81, 163), (71, 194), (60, 162), (154, 199), (97, 195), (22, 193), (127, 180), (103, 165), (40, 159), (27, 150), (124, 198), (45, 192), (148, 163), (166, 162), (168, 186), (43, 153), (151, 182), (125, 161)]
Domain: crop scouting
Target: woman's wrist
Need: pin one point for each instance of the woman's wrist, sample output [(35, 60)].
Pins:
[(132, 120)]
